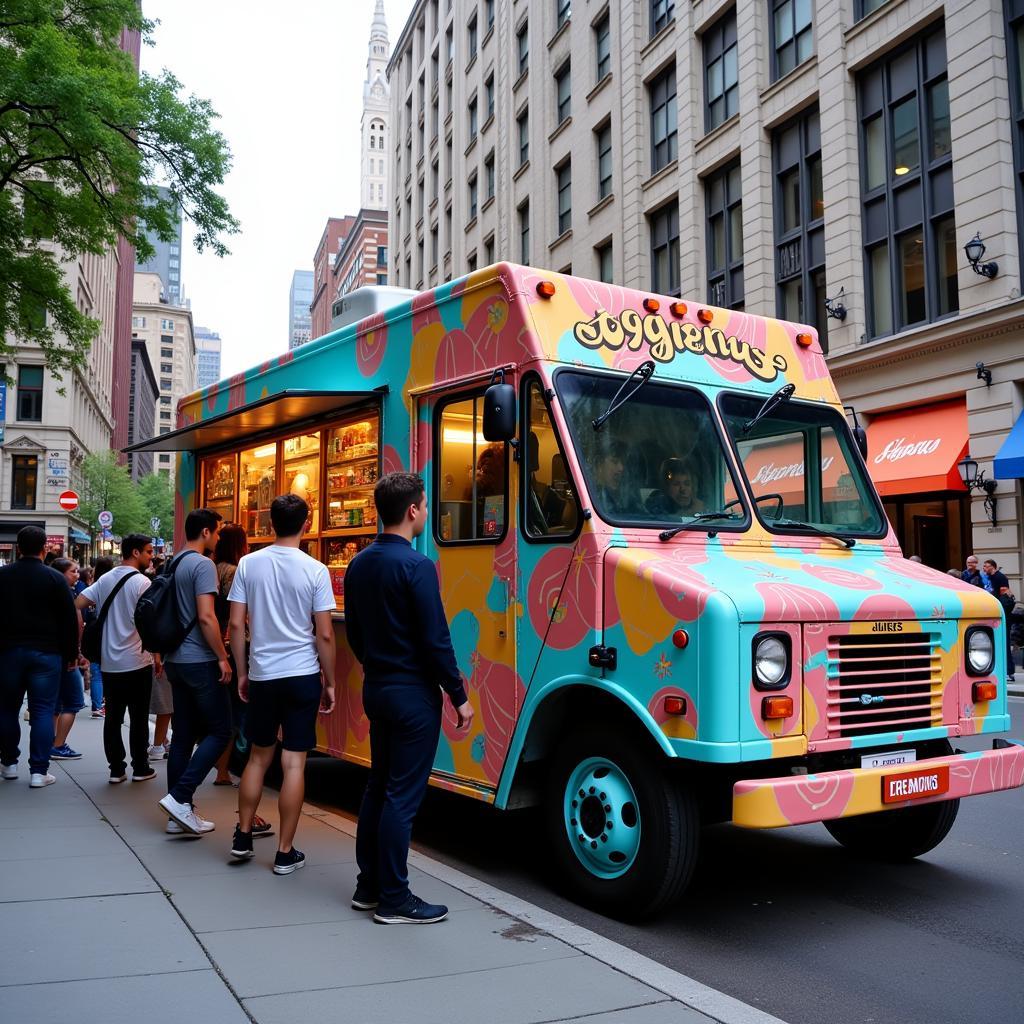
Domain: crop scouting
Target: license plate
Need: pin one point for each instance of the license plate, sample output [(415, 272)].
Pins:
[(915, 785), (889, 759)]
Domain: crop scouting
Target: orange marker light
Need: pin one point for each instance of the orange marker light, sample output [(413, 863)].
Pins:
[(652, 305), (675, 705), (984, 691), (546, 289), (678, 309), (680, 638), (776, 707), (705, 316), (805, 340)]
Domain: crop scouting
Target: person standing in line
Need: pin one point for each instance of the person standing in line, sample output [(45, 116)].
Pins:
[(289, 675), (38, 641), (397, 629), (994, 580), (971, 573), (128, 668), (199, 672), (71, 698), (102, 565), (232, 546), (93, 676)]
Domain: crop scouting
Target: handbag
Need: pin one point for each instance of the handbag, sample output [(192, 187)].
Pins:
[(92, 635)]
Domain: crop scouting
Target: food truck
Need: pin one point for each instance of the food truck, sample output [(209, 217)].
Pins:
[(672, 589)]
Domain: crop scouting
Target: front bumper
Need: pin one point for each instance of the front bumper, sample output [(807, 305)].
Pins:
[(801, 799)]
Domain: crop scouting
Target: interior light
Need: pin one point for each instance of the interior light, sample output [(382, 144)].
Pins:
[(265, 451), (463, 437), (901, 170)]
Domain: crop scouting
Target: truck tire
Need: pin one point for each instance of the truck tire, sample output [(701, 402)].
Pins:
[(623, 834), (895, 835)]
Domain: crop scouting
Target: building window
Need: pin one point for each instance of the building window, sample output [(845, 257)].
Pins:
[(166, 368), (664, 119), (792, 34), (865, 7), (721, 72), (449, 45), (725, 237), (24, 474), (166, 325), (800, 224), (563, 92), (433, 246), (471, 262), (164, 414), (435, 68), (604, 160), (489, 14), (910, 250), (167, 353), (603, 41), (489, 174), (664, 225), (523, 48), (489, 95), (165, 384), (471, 39), (448, 159), (489, 251), (472, 197), (1015, 54), (382, 255), (165, 399), (604, 262), (382, 279), (563, 179), (472, 119), (523, 121), (662, 12), (30, 393), (563, 12), (524, 234), (138, 321), (448, 227)]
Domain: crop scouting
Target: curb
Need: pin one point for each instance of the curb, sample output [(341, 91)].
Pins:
[(692, 993)]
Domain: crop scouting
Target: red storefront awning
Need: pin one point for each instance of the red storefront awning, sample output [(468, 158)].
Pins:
[(918, 449)]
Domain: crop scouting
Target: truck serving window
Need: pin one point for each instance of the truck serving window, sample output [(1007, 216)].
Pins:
[(800, 465), (658, 461)]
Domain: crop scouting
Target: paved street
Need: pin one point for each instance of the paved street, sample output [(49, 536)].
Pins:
[(789, 922)]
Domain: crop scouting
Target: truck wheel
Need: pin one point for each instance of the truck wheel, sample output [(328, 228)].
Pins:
[(623, 834), (896, 835)]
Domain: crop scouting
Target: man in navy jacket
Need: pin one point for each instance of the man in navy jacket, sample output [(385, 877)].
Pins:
[(397, 629)]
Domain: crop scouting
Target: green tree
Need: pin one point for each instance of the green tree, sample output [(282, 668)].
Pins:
[(157, 494), (84, 140), (106, 485)]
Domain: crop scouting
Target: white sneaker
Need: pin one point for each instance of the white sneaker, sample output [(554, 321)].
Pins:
[(38, 781), (10, 772), (185, 816), (157, 752), (174, 829)]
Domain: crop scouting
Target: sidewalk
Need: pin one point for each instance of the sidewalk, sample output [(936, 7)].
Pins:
[(108, 919)]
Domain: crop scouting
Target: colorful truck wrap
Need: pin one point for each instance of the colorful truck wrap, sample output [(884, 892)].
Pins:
[(673, 593)]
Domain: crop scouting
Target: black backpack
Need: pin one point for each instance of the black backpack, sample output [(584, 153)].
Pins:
[(158, 615), (92, 635)]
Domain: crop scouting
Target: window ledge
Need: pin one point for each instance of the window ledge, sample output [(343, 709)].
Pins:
[(433, 141), (472, 145), (433, 270), (860, 27), (607, 201), (563, 237), (419, 224), (487, 124), (448, 185), (521, 170), (723, 129), (599, 87), (487, 38), (469, 227), (789, 77), (522, 78), (562, 30), (449, 69), (433, 203), (448, 118), (561, 128), (435, 90), (470, 63), (419, 163), (670, 168), (663, 33), (487, 204)]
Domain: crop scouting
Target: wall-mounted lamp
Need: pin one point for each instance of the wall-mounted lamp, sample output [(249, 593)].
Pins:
[(975, 250), (835, 308), (975, 481), (984, 373)]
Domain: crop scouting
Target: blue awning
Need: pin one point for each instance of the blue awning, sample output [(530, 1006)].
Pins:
[(78, 537), (1009, 462)]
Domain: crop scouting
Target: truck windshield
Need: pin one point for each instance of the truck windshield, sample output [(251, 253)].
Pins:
[(801, 468), (659, 461)]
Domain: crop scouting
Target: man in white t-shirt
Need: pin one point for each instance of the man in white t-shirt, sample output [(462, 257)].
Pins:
[(127, 668), (289, 676)]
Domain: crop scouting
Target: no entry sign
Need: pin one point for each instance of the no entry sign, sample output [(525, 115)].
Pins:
[(68, 500)]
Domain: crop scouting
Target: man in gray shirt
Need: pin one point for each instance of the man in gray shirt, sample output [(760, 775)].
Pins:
[(199, 673)]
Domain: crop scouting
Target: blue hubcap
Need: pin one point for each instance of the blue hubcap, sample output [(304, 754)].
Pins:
[(602, 817)]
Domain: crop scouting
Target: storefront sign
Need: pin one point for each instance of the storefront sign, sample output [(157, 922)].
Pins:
[(55, 542)]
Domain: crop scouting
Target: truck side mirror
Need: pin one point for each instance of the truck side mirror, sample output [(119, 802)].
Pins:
[(860, 435), (500, 412)]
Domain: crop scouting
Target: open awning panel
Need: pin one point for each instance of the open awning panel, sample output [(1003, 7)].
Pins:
[(260, 417), (917, 450), (1009, 461)]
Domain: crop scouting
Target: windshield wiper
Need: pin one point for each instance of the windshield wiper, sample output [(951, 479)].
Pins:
[(797, 525), (784, 394), (695, 523), (634, 382)]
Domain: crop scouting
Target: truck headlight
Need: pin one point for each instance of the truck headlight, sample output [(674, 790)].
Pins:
[(980, 651), (771, 660)]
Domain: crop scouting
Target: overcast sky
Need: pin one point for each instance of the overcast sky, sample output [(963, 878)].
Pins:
[(287, 82)]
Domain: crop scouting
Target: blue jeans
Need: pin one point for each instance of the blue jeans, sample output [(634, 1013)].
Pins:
[(201, 723), (24, 670), (405, 724), (95, 685), (71, 695)]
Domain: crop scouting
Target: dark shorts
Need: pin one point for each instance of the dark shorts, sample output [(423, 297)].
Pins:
[(290, 704)]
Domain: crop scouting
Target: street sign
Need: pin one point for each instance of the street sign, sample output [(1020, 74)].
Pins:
[(68, 501), (105, 519), (155, 523)]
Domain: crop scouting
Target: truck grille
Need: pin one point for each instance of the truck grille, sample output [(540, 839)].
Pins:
[(880, 682)]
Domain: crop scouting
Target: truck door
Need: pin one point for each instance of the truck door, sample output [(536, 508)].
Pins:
[(471, 536)]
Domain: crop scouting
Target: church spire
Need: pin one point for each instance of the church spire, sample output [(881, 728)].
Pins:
[(376, 115), (380, 25)]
